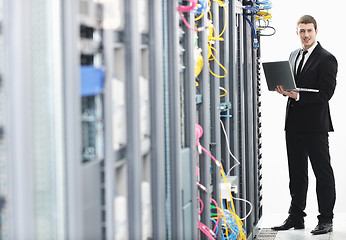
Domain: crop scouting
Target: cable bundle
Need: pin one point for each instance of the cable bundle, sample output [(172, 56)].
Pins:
[(188, 8), (192, 8), (202, 6), (263, 17), (229, 228), (230, 225), (260, 9), (212, 38)]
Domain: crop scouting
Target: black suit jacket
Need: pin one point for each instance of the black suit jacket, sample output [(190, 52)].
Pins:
[(311, 113)]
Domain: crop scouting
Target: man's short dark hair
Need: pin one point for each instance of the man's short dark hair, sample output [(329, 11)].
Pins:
[(307, 19)]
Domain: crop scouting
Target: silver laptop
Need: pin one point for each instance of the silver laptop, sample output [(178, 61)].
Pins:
[(280, 73)]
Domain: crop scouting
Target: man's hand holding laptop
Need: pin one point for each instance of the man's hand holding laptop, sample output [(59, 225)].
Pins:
[(291, 94)]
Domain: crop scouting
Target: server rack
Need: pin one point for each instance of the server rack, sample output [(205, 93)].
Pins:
[(204, 120), (126, 156), (246, 124), (3, 166), (241, 122), (71, 76), (27, 215), (33, 148), (157, 118)]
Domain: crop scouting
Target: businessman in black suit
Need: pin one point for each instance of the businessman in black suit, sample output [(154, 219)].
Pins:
[(307, 125)]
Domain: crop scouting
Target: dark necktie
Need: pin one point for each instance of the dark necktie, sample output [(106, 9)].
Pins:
[(301, 64)]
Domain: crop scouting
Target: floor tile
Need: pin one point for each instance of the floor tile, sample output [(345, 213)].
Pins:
[(339, 229)]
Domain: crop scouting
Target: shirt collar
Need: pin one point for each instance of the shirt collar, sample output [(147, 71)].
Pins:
[(311, 48)]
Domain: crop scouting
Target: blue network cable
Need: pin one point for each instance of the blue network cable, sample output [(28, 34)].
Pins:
[(203, 4), (253, 10), (230, 223), (255, 40), (266, 4)]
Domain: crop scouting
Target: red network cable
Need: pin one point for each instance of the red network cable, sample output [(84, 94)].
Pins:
[(188, 8), (204, 229)]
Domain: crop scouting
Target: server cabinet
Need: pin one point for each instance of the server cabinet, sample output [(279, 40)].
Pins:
[(238, 111), (114, 149), (3, 164), (33, 164)]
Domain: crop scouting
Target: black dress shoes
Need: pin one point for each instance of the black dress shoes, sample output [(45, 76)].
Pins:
[(322, 228), (291, 222)]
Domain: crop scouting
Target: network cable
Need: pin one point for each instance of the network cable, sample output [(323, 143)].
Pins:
[(228, 147), (208, 232), (266, 4), (263, 18), (224, 90), (254, 35), (201, 7), (261, 10), (217, 215), (211, 234), (231, 222), (199, 133), (212, 39), (186, 9)]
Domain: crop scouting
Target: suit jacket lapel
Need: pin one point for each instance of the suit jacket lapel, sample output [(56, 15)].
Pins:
[(310, 60), (293, 58)]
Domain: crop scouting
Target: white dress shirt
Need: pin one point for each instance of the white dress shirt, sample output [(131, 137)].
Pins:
[(306, 57)]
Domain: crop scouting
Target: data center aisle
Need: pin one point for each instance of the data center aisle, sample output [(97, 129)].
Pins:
[(339, 232)]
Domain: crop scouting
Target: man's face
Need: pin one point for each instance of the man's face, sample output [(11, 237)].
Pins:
[(307, 34)]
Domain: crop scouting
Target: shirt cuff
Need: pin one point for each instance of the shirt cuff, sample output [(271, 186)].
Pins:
[(297, 97)]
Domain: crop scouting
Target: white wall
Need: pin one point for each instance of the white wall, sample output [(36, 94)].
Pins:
[(330, 20)]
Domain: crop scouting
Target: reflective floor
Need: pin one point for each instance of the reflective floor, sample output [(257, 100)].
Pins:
[(339, 225)]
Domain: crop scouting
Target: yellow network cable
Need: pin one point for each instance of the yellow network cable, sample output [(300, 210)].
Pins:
[(211, 40), (211, 19), (221, 3), (232, 210), (241, 235), (225, 92), (264, 17), (210, 51), (199, 64), (264, 13), (227, 226), (200, 16)]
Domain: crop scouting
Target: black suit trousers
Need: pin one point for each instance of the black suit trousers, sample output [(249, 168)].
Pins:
[(300, 148)]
